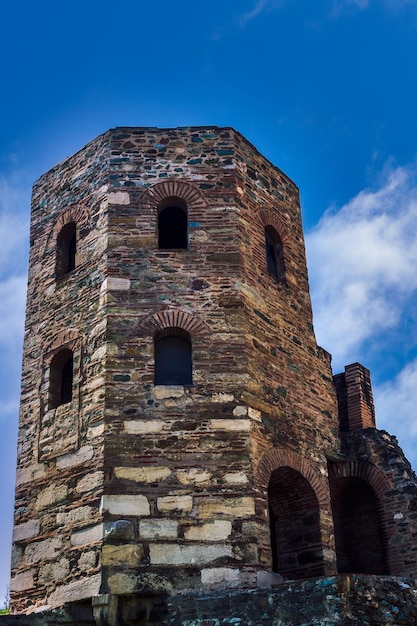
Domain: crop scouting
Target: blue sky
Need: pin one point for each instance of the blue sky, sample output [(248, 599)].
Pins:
[(326, 90)]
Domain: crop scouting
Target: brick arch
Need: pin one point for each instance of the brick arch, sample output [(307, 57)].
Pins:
[(78, 214), (363, 470), (279, 457), (153, 196), (267, 217), (172, 318), (63, 339)]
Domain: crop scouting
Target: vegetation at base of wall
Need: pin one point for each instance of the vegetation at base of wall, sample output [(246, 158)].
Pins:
[(4, 611)]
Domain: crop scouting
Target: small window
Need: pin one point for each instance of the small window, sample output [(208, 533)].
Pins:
[(66, 247), (173, 225), (60, 378), (173, 358), (274, 254)]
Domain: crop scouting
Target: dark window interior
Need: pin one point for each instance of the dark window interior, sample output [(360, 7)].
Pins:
[(274, 254), (172, 228), (66, 250), (173, 358), (60, 378)]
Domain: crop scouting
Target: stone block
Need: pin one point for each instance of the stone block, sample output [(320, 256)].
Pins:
[(80, 515), (235, 478), (51, 495), (30, 474), (219, 530), (238, 425), (161, 392), (139, 427), (193, 476), (45, 550), (174, 503), (26, 530), (22, 582), (119, 530), (129, 555), (231, 507), (119, 197), (147, 474), (126, 505), (158, 529), (87, 536), (90, 482), (85, 587), (52, 572), (84, 454), (197, 554), (220, 576), (87, 561)]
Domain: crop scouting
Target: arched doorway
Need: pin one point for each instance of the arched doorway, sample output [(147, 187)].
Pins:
[(358, 527), (296, 541)]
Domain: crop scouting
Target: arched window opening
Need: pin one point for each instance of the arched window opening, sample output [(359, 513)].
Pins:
[(296, 545), (274, 251), (173, 224), (360, 545), (66, 248), (61, 378), (173, 357)]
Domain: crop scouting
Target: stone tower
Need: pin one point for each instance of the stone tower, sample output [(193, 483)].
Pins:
[(180, 429)]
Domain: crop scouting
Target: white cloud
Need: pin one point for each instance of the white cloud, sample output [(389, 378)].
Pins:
[(396, 409), (260, 6), (363, 265)]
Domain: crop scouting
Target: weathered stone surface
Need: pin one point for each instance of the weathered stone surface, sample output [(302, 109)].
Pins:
[(128, 555), (143, 474), (126, 505), (26, 530), (158, 528), (231, 507), (86, 587), (217, 530), (197, 554), (87, 536), (174, 503), (43, 550)]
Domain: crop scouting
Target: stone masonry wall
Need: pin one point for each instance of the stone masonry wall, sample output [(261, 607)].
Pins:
[(58, 526)]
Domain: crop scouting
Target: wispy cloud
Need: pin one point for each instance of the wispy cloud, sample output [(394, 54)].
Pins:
[(341, 8), (363, 260), (396, 408), (260, 6)]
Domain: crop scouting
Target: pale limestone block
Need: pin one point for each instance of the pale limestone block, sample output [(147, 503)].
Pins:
[(112, 283), (240, 425), (30, 474), (90, 482), (52, 572), (147, 474), (119, 197), (196, 554), (232, 507), (255, 414), (87, 536), (193, 476), (175, 503), (122, 584), (126, 505), (240, 410), (219, 530), (26, 530), (87, 561), (96, 431), (129, 555), (235, 478), (158, 529), (84, 454), (136, 427), (22, 581), (43, 550), (222, 397), (98, 354), (75, 516), (220, 575), (50, 495), (85, 587), (160, 392)]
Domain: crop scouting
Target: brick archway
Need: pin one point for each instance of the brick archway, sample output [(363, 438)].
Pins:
[(172, 318), (174, 188)]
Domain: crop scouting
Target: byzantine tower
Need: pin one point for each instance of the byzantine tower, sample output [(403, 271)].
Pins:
[(180, 429)]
